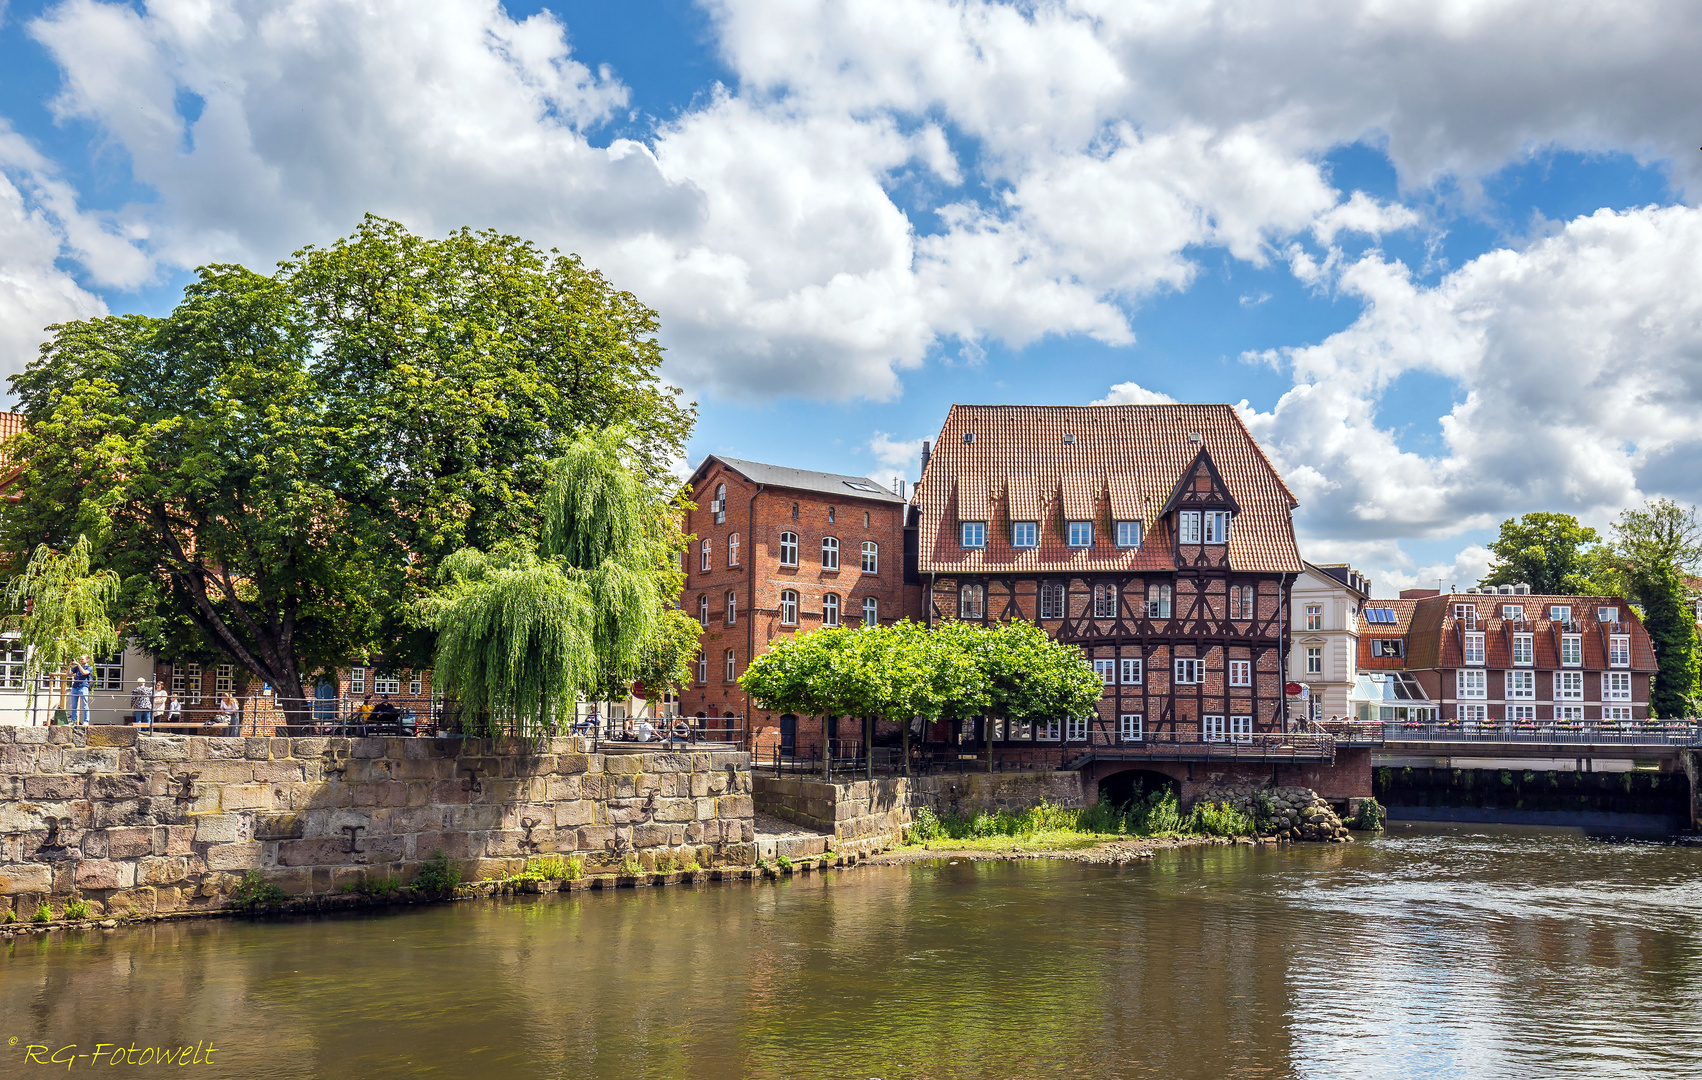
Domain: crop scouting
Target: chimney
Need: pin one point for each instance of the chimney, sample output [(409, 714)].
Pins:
[(924, 455)]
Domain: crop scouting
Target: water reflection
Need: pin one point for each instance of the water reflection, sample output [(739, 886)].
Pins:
[(1472, 951)]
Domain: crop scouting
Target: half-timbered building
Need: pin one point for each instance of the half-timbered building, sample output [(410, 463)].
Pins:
[(1156, 537)]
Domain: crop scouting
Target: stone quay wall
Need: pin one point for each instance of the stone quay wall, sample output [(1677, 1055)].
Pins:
[(125, 820)]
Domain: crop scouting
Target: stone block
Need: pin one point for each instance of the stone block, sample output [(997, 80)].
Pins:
[(595, 837), (27, 736), (245, 797), (56, 787), (623, 764), (277, 772), (105, 874), (16, 878), (258, 747), (578, 812), (699, 785), (129, 843), (91, 759), (676, 810), (665, 763), (309, 747), (569, 764), (238, 771), (593, 786), (219, 828), (450, 791), (287, 826), (179, 838), (562, 788), (165, 869), (121, 812), (118, 786), (650, 835), (406, 820), (116, 735), (294, 881), (315, 796), (234, 856), (163, 747), (315, 851), (142, 900), (217, 748)]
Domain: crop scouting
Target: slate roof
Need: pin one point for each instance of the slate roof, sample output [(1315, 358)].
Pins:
[(1123, 463), (852, 487)]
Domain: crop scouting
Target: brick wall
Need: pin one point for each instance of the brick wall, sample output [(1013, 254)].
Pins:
[(165, 823)]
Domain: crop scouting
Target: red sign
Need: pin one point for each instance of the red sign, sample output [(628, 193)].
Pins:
[(1293, 689)]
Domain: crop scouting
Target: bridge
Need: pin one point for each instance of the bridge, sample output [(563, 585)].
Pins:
[(1583, 747)]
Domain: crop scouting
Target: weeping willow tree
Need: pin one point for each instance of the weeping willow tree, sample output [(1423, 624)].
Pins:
[(525, 629), (58, 608)]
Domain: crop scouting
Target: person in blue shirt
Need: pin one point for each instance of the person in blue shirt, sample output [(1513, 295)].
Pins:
[(82, 672)]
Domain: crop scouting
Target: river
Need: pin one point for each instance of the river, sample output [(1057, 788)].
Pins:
[(1431, 951)]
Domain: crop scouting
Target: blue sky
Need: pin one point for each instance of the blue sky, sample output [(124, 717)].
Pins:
[(1447, 260)]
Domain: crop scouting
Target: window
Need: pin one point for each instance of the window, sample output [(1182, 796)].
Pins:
[(1051, 601), (1471, 684), (416, 684), (1314, 616), (830, 553), (1571, 650), (1188, 527), (871, 557), (871, 611), (1569, 686), (1128, 534), (1106, 670), (1025, 534), (1217, 526), (1105, 601), (1473, 714), (387, 684), (1241, 673), (733, 550), (1046, 730), (732, 607), (109, 672), (1314, 660), (969, 602), (1241, 601), (1158, 601), (703, 611), (1513, 612), (1616, 686), (732, 666), (794, 511), (1560, 613), (11, 664), (1389, 648), (1570, 713), (1075, 729), (1619, 650), (1524, 649), (1132, 671), (1187, 671), (865, 519), (789, 549), (1466, 616), (1474, 648), (1129, 727), (1241, 729), (357, 680), (705, 562), (830, 609), (720, 505), (1521, 714), (186, 683), (1607, 614), (702, 667), (1212, 729), (1522, 685), (972, 534), (1614, 712), (788, 608), (1080, 534), (1385, 615)]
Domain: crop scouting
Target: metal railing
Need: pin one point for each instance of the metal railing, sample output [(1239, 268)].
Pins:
[(1552, 732), (1257, 747)]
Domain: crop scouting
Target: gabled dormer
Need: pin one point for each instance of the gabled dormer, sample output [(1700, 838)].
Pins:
[(1200, 507)]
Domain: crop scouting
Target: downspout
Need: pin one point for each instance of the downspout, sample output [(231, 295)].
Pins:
[(750, 619)]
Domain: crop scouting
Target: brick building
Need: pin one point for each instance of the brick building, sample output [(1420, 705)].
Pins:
[(777, 552), (1156, 537), (1485, 656)]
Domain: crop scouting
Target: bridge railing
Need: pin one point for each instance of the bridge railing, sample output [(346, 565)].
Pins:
[(1621, 732)]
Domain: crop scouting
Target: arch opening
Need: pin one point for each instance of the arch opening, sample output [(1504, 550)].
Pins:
[(1131, 785)]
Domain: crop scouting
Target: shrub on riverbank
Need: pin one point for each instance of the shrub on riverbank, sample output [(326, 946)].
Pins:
[(1156, 815)]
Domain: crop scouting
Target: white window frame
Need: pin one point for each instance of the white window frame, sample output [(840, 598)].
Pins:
[(1128, 534), (788, 549), (972, 535), (1619, 650), (788, 607), (1472, 714), (1616, 713), (1046, 730), (1215, 525), (1130, 727), (1025, 534), (1075, 728), (720, 505), (871, 611), (702, 666), (387, 684), (1466, 616), (1560, 613), (732, 672), (1607, 614), (1520, 685), (707, 558), (1105, 601), (1314, 616), (732, 607), (1571, 714), (1052, 600), (1471, 683), (1240, 602), (1078, 534), (830, 609), (416, 683), (1158, 601), (1513, 613), (186, 683), (1521, 714), (1381, 648), (1314, 659), (108, 672), (1241, 729), (1213, 729), (1571, 650), (1131, 670), (871, 557), (1106, 670), (357, 681), (1241, 673), (1188, 527), (971, 602), (830, 553), (733, 551), (14, 659), (1185, 671), (1524, 650), (1616, 686), (1569, 686), (1473, 647), (703, 610)]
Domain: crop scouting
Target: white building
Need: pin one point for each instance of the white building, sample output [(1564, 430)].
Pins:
[(1324, 656), (109, 693)]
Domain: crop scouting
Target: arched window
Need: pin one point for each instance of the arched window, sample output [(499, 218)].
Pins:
[(830, 609), (1051, 601), (702, 667), (1158, 601), (732, 666), (703, 610), (830, 553), (788, 608), (794, 511), (733, 550), (732, 607), (1105, 601), (830, 515), (707, 548), (720, 504), (871, 611), (788, 549), (871, 557), (969, 602)]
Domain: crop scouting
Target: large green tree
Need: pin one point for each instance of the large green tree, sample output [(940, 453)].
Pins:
[(60, 609), (1552, 553), (278, 468), (1655, 552)]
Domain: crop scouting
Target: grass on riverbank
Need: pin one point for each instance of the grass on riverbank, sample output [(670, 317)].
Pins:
[(1054, 828)]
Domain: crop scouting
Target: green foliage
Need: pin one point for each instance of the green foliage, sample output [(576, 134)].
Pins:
[(59, 609), (375, 888), (1656, 550), (783, 862), (1219, 819), (43, 913), (1264, 809), (1156, 814), (549, 867), (1370, 817), (630, 866), (77, 908), (255, 892), (437, 875), (1552, 553), (11, 916)]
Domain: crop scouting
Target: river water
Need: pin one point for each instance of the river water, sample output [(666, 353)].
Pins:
[(1429, 952)]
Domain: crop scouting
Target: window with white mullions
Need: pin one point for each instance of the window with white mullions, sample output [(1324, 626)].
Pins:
[(1473, 648), (1158, 601), (733, 550), (1024, 534), (789, 548), (1471, 684), (830, 610), (788, 607), (1129, 727), (1105, 601), (1241, 729), (871, 611), (1128, 534), (1051, 601), (1131, 670), (1215, 524), (1571, 650), (1569, 686), (708, 555), (1080, 534), (1521, 685), (1075, 729), (1106, 670), (12, 664), (1619, 650), (1186, 671), (972, 534), (702, 667), (1524, 649), (1616, 686), (109, 672), (830, 553), (871, 557), (1213, 729), (969, 602), (1240, 673)]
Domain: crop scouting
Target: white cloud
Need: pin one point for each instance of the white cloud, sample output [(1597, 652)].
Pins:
[(1132, 393), (900, 456)]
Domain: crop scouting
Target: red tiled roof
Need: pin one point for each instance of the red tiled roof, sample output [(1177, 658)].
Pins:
[(1403, 611), (10, 424), (1123, 462), (1434, 641)]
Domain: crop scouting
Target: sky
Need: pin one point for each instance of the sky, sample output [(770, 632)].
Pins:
[(1445, 257)]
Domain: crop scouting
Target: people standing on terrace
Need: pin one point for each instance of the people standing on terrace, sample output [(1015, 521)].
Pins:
[(159, 704), (142, 703), (81, 673)]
